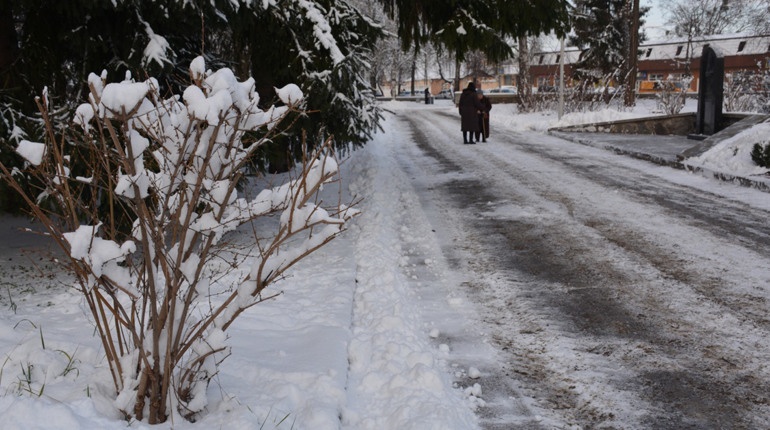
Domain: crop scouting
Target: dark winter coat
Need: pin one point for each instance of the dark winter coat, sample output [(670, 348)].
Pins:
[(469, 106), (484, 116)]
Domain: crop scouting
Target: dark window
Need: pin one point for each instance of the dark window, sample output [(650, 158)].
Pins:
[(558, 58), (541, 59), (649, 51), (679, 49), (741, 46)]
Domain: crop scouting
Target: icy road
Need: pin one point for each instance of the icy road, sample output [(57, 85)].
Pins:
[(609, 292)]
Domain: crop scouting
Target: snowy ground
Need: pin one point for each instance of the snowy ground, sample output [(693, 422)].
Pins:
[(357, 340)]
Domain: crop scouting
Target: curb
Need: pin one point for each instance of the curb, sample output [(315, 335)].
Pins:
[(759, 184)]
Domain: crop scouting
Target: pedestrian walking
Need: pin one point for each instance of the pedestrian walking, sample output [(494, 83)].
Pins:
[(469, 107), (483, 116)]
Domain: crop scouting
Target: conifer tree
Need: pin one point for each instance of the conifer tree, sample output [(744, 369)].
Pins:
[(601, 29)]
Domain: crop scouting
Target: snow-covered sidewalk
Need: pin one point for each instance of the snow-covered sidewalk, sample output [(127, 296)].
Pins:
[(347, 345)]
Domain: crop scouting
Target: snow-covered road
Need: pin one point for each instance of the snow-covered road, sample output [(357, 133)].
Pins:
[(616, 293), (527, 282)]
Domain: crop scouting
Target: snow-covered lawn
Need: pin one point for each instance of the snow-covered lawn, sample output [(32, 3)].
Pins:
[(354, 341)]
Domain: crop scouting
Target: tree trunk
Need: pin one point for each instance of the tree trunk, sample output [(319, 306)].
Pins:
[(633, 46), (414, 70), (457, 74), (523, 80)]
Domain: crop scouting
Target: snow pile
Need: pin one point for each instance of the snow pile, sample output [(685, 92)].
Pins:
[(733, 155), (508, 116)]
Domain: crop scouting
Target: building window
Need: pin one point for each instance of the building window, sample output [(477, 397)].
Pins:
[(656, 76), (649, 51), (558, 58), (741, 45), (679, 49), (542, 57)]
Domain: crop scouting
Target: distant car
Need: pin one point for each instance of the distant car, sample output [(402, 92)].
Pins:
[(600, 90), (408, 93), (445, 94), (505, 89), (547, 89)]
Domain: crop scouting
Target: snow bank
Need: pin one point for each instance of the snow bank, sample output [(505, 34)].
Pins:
[(733, 155)]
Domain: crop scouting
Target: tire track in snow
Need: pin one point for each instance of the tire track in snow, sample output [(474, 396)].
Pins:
[(601, 279)]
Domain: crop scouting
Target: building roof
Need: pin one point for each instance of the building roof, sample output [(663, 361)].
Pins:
[(727, 45), (671, 49)]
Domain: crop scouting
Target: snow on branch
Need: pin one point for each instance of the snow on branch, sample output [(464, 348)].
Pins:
[(148, 189)]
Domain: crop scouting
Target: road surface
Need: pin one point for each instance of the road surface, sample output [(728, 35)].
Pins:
[(615, 293)]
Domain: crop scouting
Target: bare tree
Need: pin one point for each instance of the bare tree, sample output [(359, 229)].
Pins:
[(446, 66), (759, 17), (708, 17), (526, 52), (476, 65)]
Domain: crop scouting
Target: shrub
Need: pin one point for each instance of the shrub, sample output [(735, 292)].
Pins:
[(168, 169), (760, 154)]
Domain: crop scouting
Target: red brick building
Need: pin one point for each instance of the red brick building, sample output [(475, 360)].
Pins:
[(662, 60)]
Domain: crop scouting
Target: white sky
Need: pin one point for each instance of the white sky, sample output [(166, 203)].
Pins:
[(654, 20)]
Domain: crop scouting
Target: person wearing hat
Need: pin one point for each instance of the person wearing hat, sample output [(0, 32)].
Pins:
[(483, 116), (469, 107)]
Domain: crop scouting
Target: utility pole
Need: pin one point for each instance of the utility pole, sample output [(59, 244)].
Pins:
[(633, 47)]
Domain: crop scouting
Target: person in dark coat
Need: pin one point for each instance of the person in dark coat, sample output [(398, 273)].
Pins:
[(469, 107), (483, 116)]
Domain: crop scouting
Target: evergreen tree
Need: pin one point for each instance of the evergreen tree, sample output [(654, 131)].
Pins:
[(322, 45), (463, 26), (325, 47), (601, 30)]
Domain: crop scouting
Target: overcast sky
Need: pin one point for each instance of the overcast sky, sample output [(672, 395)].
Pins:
[(654, 19)]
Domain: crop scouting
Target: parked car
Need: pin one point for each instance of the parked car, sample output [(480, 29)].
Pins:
[(408, 93), (505, 89), (600, 90)]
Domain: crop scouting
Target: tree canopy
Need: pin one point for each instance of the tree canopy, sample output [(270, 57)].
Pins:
[(601, 29), (717, 17), (324, 46), (462, 26), (321, 45)]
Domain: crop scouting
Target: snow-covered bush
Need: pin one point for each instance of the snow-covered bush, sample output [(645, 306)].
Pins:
[(760, 154), (747, 91), (167, 169), (673, 94)]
